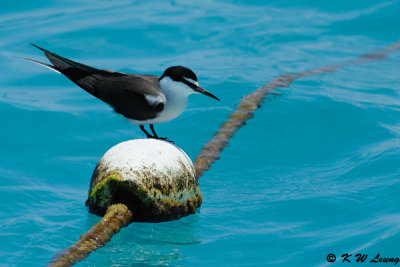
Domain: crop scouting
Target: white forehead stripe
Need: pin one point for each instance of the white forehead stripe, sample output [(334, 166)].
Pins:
[(154, 100), (191, 81)]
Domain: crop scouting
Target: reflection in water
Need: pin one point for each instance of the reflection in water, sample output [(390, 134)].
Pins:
[(149, 243)]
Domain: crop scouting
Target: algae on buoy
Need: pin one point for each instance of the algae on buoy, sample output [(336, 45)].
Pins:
[(154, 178), (137, 180)]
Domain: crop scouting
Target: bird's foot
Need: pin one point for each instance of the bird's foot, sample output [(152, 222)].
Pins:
[(165, 139), (161, 138)]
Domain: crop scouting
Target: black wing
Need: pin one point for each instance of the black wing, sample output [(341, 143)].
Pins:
[(126, 93)]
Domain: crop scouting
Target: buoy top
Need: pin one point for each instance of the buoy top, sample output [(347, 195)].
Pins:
[(154, 178), (140, 154)]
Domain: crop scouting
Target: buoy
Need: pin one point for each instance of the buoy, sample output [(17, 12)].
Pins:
[(154, 178), (137, 180), (156, 181)]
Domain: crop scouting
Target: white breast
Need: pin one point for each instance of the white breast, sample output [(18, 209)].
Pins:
[(177, 95), (176, 100)]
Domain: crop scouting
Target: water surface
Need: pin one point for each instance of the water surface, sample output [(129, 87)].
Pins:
[(314, 172)]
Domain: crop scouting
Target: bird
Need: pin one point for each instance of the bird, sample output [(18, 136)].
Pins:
[(143, 99)]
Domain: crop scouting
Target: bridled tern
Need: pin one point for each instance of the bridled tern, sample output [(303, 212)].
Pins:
[(143, 99)]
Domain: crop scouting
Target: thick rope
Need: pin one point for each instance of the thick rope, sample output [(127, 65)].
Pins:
[(244, 111), (118, 215)]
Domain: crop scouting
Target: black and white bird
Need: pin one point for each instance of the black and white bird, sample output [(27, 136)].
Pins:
[(142, 99)]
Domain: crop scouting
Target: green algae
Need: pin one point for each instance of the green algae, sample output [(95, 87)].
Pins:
[(151, 197)]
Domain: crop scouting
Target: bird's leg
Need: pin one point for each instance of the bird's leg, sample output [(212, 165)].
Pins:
[(147, 134), (154, 132), (156, 136)]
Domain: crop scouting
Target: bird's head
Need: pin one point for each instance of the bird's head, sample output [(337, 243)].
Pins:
[(183, 81)]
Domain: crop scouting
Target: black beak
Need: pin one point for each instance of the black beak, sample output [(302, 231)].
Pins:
[(204, 92), (198, 89)]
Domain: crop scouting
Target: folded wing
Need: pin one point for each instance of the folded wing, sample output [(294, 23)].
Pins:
[(136, 97)]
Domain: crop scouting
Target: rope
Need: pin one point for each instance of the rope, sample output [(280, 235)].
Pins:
[(118, 215), (245, 110)]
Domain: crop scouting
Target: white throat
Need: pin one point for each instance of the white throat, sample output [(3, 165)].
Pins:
[(176, 94)]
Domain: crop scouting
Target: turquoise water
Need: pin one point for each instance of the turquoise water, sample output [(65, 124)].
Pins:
[(316, 171)]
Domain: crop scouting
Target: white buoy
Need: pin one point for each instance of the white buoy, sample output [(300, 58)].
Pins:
[(154, 178)]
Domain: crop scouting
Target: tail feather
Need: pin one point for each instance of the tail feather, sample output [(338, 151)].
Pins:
[(44, 50), (62, 63), (42, 64)]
